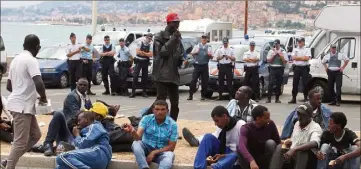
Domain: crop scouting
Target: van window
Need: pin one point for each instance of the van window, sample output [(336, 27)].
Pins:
[(214, 33), (138, 36), (228, 33), (2, 45), (220, 34), (320, 45), (347, 46), (129, 39)]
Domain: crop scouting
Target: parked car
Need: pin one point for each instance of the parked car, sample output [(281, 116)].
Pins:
[(185, 71), (3, 62), (263, 46), (54, 67)]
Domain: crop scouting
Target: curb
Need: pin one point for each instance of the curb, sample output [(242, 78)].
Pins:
[(41, 162)]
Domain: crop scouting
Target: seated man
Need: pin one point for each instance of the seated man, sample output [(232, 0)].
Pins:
[(339, 144), (92, 142), (221, 146), (6, 130), (62, 122), (305, 137), (321, 115), (240, 107), (155, 139), (258, 140)]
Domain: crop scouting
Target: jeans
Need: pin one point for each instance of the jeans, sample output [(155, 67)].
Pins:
[(302, 160), (209, 146), (326, 149), (262, 160), (58, 130), (142, 150), (165, 89)]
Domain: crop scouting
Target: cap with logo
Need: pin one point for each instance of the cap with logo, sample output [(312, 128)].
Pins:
[(225, 40), (252, 43), (333, 46), (305, 108), (301, 39), (277, 41), (172, 17), (99, 108)]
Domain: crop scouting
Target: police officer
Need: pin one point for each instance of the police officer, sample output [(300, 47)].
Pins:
[(252, 57), (301, 68), (225, 57), (277, 57), (123, 57), (144, 53), (201, 53), (86, 58), (73, 52), (107, 61), (332, 64)]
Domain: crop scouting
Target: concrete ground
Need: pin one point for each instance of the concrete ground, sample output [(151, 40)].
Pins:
[(197, 109)]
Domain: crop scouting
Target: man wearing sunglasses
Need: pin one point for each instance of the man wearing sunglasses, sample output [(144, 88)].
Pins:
[(144, 53), (167, 57)]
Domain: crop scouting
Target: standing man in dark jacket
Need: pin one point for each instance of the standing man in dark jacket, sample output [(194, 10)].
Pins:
[(167, 57), (107, 61)]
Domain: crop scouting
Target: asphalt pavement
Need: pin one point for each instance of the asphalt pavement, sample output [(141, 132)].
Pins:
[(197, 109)]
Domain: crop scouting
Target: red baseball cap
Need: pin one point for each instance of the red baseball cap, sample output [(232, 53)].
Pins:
[(172, 17)]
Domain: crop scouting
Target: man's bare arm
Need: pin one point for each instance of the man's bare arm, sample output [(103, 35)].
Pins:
[(137, 135), (8, 86), (355, 153), (39, 85), (170, 147)]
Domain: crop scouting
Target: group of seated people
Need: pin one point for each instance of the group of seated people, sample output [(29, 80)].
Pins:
[(245, 138)]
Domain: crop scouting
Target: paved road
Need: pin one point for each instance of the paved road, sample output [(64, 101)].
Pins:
[(197, 109)]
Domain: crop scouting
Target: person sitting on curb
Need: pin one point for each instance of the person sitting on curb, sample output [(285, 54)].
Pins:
[(258, 140), (6, 130), (240, 107), (92, 142), (321, 115), (61, 123), (221, 146), (339, 144), (155, 139), (305, 139)]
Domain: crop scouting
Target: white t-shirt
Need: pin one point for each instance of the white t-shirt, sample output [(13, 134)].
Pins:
[(72, 48), (22, 70), (251, 55), (301, 52), (225, 51), (232, 136)]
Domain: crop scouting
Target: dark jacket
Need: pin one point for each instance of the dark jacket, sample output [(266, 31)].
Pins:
[(167, 57), (72, 105)]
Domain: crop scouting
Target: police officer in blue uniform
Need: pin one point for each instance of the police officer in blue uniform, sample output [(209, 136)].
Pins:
[(277, 58), (107, 61), (201, 53), (225, 57), (144, 53), (87, 55), (123, 62), (332, 63)]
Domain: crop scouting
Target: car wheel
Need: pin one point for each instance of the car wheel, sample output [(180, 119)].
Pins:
[(209, 95), (97, 78), (64, 80), (321, 87)]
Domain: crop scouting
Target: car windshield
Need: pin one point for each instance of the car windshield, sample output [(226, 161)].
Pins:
[(239, 51), (52, 53), (98, 38)]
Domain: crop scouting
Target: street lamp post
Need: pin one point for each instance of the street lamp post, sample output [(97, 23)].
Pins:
[(246, 17), (94, 17)]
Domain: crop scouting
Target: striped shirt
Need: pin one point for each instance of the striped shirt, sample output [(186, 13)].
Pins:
[(312, 132), (157, 135)]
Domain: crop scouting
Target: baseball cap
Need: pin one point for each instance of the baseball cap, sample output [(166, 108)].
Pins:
[(252, 43), (171, 17), (99, 108), (333, 46), (300, 39), (89, 36), (305, 108), (225, 40), (277, 41)]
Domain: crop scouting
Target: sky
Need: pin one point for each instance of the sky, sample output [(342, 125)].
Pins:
[(14, 4)]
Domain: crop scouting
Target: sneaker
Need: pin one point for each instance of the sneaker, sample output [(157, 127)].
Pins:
[(189, 137), (3, 164), (48, 150)]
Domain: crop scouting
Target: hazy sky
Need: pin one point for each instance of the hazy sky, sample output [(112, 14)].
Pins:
[(14, 4)]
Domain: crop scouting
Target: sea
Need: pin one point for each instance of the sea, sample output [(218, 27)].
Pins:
[(13, 33)]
